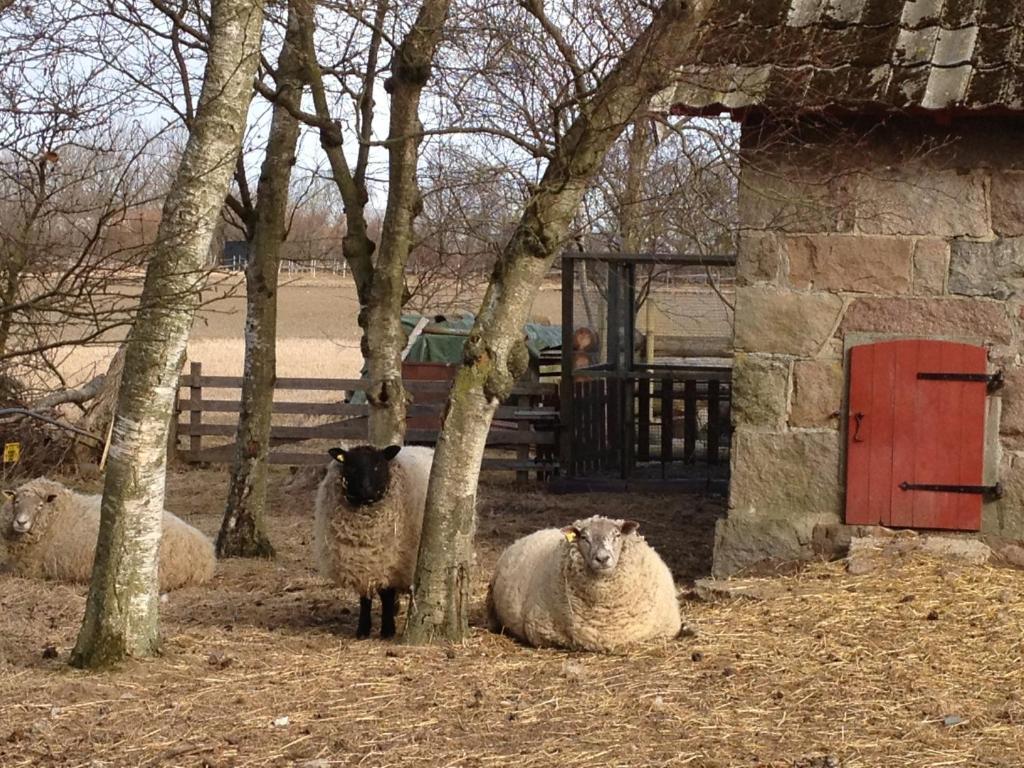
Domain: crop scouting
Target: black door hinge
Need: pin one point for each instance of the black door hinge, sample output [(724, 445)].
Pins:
[(993, 381), (990, 491)]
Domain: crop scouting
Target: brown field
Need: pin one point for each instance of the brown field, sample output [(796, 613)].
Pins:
[(834, 671), (318, 334)]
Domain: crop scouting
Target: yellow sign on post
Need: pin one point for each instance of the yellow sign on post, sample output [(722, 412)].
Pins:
[(12, 453)]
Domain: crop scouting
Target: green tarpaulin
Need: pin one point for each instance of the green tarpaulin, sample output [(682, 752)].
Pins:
[(442, 340)]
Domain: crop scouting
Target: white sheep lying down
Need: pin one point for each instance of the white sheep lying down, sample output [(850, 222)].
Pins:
[(366, 532), (50, 532), (595, 585)]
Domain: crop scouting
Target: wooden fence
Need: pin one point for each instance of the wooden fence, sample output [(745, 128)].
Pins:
[(523, 431)]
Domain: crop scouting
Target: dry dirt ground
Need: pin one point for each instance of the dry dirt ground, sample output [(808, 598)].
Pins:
[(922, 665)]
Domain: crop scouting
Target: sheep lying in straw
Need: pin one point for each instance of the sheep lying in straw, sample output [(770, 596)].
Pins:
[(50, 532), (595, 585), (369, 513)]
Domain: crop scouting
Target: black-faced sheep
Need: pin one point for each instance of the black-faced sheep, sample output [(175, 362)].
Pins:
[(595, 585), (50, 531), (369, 513)]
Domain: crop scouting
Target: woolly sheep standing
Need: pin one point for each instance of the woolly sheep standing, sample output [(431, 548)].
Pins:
[(51, 531), (369, 514), (595, 585)]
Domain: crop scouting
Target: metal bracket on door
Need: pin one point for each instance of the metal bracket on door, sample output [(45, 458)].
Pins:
[(993, 381), (991, 491)]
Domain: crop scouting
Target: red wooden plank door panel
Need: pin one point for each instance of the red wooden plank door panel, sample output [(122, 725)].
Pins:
[(903, 429)]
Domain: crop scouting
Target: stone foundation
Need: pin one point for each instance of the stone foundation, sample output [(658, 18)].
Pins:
[(903, 230)]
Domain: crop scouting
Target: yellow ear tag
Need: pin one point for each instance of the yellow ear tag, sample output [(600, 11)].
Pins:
[(570, 535), (340, 459)]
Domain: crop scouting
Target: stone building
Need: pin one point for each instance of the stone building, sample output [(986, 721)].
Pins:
[(881, 196)]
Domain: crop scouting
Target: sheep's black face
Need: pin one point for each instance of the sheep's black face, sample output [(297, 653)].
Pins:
[(599, 541), (365, 472)]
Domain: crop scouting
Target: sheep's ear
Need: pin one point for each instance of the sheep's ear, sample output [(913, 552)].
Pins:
[(51, 497), (338, 454), (9, 495), (391, 451), (571, 532), (629, 526)]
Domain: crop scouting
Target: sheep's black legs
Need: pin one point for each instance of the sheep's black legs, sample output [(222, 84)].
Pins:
[(363, 630), (387, 613)]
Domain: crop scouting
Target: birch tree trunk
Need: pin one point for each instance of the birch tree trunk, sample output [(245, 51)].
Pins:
[(242, 532), (494, 354), (121, 614)]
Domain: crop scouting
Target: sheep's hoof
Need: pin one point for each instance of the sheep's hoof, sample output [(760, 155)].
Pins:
[(361, 635), (387, 634)]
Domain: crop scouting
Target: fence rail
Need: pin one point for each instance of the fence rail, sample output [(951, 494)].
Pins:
[(527, 426)]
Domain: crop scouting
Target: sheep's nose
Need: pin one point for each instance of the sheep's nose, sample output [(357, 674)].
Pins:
[(22, 525), (603, 557)]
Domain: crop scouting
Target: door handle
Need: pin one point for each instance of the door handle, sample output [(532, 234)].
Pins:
[(858, 419)]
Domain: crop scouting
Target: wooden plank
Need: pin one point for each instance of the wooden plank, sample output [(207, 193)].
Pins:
[(901, 506), (666, 424), (283, 407), (357, 430), (604, 406), (934, 439), (195, 416), (643, 426), (858, 436), (523, 451), (714, 421), (665, 259), (567, 445), (689, 420), (225, 454), (355, 385), (414, 334), (973, 408), (506, 412), (881, 413), (235, 382)]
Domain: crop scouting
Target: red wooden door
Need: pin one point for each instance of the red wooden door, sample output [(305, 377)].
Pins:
[(909, 427)]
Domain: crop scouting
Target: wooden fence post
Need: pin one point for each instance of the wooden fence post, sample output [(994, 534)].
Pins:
[(195, 408), (172, 427), (523, 450)]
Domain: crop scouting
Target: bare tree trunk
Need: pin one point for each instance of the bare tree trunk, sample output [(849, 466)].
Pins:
[(638, 155), (384, 339), (494, 356), (242, 532), (121, 614)]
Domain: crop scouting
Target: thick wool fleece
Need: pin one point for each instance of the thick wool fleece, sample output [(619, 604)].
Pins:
[(61, 544), (373, 547), (543, 594)]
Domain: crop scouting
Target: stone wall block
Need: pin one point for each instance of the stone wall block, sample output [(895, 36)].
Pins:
[(976, 319), (916, 200), (783, 486), (1005, 518), (1008, 202), (757, 258), (1011, 421), (784, 322), (931, 266), (785, 474), (760, 386), (794, 200), (994, 268), (864, 263), (817, 393)]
